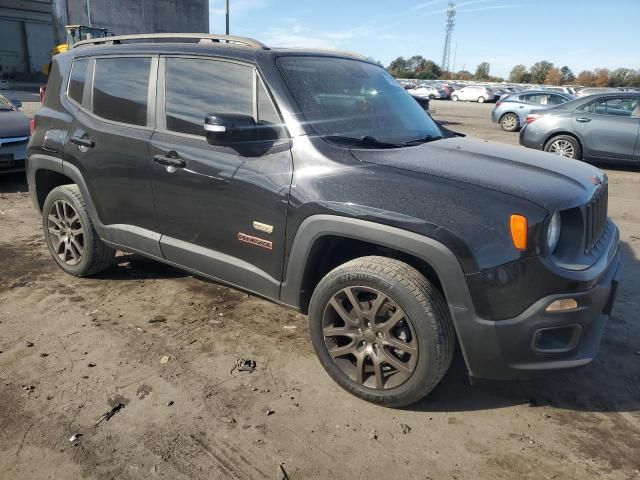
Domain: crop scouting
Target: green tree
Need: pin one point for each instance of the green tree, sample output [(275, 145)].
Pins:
[(539, 71), (399, 68), (464, 75), (518, 74), (482, 71), (566, 75)]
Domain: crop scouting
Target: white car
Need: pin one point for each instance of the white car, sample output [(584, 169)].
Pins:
[(428, 92), (474, 93)]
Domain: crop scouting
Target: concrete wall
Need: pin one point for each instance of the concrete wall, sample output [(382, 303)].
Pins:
[(123, 17), (26, 37)]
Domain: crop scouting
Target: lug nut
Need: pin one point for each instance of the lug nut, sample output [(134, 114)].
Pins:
[(379, 334)]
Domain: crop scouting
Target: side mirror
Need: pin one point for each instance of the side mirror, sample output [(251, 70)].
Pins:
[(16, 103), (229, 128)]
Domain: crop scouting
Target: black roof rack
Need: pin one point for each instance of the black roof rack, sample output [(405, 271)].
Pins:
[(201, 37)]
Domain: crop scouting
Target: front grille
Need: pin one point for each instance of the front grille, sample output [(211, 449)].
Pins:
[(596, 217)]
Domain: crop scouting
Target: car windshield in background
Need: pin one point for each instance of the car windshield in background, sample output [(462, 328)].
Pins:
[(4, 104), (355, 102)]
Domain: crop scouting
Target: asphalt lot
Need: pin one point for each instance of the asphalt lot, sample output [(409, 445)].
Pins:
[(163, 343)]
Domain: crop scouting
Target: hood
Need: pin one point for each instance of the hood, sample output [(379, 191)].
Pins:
[(13, 124), (548, 180)]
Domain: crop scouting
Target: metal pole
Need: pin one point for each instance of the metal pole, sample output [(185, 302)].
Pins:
[(227, 13), (89, 13)]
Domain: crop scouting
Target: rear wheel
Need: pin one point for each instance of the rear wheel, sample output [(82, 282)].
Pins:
[(481, 99), (509, 122), (73, 242), (381, 330), (565, 146)]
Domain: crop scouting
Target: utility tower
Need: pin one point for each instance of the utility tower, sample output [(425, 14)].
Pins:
[(451, 21)]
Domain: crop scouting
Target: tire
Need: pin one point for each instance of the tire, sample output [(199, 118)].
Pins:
[(510, 122), (481, 99), (565, 146), (412, 315), (432, 97), (72, 241), (454, 98)]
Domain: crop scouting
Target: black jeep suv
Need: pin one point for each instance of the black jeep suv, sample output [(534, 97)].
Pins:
[(315, 180)]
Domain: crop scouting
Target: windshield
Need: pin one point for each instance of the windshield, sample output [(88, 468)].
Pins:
[(4, 104), (350, 99)]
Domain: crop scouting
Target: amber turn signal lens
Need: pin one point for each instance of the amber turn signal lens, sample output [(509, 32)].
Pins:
[(563, 304), (518, 225)]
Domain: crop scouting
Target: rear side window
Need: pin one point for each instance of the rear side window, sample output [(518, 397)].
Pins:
[(120, 89), (195, 88), (77, 80)]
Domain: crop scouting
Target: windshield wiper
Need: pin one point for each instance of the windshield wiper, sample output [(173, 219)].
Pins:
[(421, 140), (366, 140)]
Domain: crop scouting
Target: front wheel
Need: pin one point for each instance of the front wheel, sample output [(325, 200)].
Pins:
[(381, 330), (481, 99), (454, 98), (565, 146)]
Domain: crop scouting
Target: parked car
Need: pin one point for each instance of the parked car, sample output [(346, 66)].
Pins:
[(585, 92), (567, 90), (14, 136), (474, 93), (429, 91), (511, 111), (597, 127), (316, 181)]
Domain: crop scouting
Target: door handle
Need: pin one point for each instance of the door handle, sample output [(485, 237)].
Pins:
[(175, 162), (83, 142), (583, 120)]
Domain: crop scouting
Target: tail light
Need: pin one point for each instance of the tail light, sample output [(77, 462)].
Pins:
[(498, 104), (532, 117), (32, 125), (43, 89)]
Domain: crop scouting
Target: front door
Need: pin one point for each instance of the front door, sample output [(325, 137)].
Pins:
[(109, 143), (221, 210), (608, 127)]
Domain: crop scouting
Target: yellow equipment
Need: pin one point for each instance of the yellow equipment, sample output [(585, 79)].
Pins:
[(75, 34)]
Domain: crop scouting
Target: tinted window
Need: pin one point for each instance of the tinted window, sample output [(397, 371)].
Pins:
[(120, 89), (620, 107), (195, 88), (77, 79), (555, 100)]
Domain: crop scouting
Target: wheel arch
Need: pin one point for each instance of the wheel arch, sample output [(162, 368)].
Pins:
[(551, 136), (317, 236)]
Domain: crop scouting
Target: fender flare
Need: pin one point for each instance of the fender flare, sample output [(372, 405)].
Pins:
[(437, 255)]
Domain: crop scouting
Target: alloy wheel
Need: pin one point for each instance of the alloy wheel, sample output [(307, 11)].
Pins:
[(370, 338), (66, 232), (564, 148), (509, 122)]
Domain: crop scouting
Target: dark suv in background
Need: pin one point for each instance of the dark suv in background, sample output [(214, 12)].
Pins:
[(314, 180)]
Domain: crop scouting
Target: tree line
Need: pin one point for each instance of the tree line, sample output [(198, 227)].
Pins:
[(542, 72)]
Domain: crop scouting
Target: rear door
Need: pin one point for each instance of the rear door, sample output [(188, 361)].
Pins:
[(222, 212), (109, 143), (607, 127)]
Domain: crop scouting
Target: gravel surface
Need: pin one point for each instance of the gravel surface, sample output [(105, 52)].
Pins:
[(155, 346)]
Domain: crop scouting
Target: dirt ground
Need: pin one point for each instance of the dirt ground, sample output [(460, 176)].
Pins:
[(163, 343)]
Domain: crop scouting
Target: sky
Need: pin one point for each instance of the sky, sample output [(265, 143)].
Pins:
[(582, 34)]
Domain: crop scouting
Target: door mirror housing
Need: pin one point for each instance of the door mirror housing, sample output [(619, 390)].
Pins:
[(229, 128)]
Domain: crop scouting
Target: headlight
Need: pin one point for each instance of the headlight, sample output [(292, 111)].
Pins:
[(553, 232)]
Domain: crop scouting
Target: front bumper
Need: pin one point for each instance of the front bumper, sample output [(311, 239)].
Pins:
[(536, 341)]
